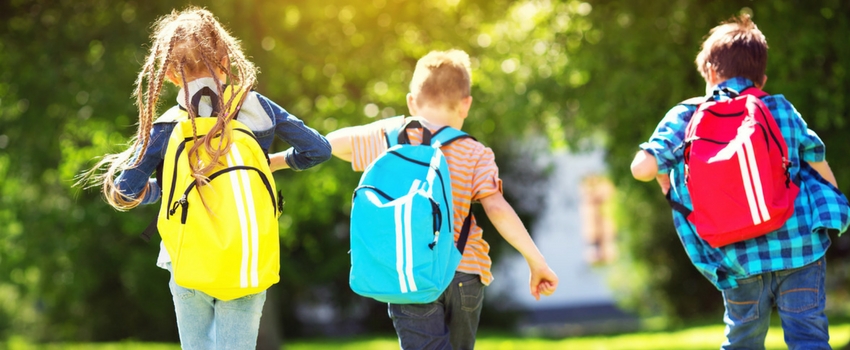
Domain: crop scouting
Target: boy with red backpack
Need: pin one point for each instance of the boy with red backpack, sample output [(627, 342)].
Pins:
[(752, 195)]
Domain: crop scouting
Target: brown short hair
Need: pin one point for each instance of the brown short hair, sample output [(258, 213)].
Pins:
[(442, 77), (735, 48)]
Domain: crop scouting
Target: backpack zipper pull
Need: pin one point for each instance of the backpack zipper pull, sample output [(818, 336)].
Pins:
[(182, 202), (176, 204), (434, 243), (438, 218), (185, 204)]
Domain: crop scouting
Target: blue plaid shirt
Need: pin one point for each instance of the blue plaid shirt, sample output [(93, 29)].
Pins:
[(804, 238)]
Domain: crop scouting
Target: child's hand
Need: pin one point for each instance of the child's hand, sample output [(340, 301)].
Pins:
[(663, 182), (277, 161), (543, 281)]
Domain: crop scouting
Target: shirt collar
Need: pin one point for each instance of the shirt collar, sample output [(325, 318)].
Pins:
[(205, 106), (737, 83)]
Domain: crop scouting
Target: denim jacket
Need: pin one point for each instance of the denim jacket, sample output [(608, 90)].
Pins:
[(264, 117)]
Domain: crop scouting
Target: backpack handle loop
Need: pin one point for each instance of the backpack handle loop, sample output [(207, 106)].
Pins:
[(403, 139), (205, 91), (396, 135)]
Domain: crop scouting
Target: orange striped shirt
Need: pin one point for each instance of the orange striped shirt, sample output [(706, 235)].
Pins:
[(474, 176)]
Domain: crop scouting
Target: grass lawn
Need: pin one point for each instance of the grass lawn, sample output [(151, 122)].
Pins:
[(702, 337)]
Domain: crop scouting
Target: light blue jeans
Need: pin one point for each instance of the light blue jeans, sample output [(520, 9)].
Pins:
[(206, 323), (450, 322), (799, 297)]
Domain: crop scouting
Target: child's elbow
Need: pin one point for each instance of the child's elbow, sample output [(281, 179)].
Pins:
[(643, 167), (340, 144), (324, 153), (315, 158), (642, 174)]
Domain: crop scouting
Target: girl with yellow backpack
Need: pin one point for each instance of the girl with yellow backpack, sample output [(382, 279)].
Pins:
[(218, 217)]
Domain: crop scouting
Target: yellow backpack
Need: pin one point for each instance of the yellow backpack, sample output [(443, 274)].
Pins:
[(223, 236)]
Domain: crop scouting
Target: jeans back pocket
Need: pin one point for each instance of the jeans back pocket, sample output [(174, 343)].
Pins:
[(800, 289), (742, 302)]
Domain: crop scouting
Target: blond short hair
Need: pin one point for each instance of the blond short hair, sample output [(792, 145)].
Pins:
[(442, 78)]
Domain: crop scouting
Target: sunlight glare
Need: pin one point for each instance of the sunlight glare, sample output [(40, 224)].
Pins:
[(509, 65), (371, 110), (484, 40), (268, 43)]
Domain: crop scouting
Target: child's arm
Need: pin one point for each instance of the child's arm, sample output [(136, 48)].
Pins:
[(645, 168), (825, 171), (341, 143), (543, 280), (658, 155), (812, 149), (277, 161), (309, 147)]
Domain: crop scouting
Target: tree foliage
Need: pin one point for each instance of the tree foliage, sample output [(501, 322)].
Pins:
[(581, 74)]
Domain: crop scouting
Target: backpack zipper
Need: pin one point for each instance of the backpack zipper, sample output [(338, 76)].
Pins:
[(181, 147), (183, 201)]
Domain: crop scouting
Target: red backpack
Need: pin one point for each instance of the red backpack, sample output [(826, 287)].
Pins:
[(737, 169)]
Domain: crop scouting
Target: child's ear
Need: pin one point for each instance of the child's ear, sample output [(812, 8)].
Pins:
[(411, 104), (464, 106), (172, 77), (225, 62), (713, 78)]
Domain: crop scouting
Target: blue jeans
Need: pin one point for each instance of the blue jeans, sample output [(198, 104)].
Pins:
[(450, 322), (206, 323), (799, 298)]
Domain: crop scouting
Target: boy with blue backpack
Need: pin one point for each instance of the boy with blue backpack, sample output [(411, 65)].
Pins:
[(753, 197), (400, 219)]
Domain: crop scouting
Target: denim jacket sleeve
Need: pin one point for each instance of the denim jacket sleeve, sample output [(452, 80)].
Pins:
[(131, 182), (309, 148)]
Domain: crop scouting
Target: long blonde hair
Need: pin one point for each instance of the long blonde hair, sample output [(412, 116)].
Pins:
[(185, 44)]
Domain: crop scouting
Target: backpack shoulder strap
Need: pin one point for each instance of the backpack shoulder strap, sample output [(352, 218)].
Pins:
[(239, 97), (752, 90), (172, 115), (447, 135), (393, 130), (464, 232), (443, 137)]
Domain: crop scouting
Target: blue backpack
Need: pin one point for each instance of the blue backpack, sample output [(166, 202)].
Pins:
[(402, 239)]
